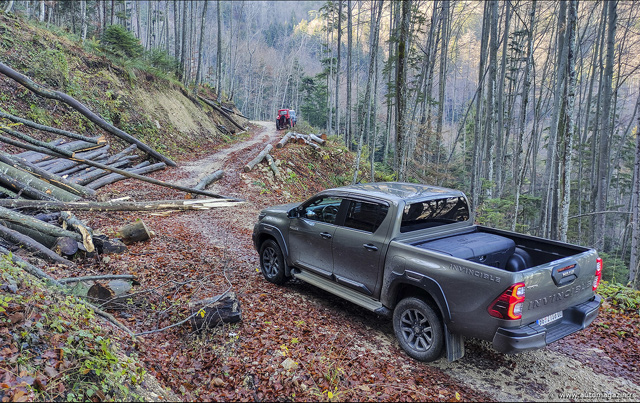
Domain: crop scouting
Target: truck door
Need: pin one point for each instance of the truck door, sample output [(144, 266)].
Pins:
[(311, 235), (359, 247)]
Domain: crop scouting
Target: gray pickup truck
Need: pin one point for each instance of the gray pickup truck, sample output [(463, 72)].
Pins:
[(412, 252)]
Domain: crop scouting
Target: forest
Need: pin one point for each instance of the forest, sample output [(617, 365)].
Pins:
[(530, 107)]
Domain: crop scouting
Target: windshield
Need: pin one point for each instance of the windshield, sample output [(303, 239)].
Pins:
[(434, 212)]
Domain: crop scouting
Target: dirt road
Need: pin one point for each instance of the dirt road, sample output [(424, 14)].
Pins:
[(337, 350)]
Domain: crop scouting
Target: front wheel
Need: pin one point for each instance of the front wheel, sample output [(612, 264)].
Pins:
[(418, 329), (272, 262)]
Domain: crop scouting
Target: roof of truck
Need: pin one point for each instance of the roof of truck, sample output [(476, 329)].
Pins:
[(399, 190)]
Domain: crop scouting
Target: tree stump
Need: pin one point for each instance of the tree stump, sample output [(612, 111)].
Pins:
[(135, 232), (225, 310)]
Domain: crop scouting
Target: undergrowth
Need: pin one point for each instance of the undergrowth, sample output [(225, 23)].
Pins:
[(52, 347)]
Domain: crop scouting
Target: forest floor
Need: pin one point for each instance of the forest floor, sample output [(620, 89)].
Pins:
[(296, 342)]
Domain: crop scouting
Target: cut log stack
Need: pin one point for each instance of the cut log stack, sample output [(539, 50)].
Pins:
[(311, 140)]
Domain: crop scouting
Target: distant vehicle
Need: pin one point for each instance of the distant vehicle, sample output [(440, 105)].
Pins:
[(286, 119), (411, 252)]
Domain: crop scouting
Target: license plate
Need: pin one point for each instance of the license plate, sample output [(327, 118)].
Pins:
[(548, 319)]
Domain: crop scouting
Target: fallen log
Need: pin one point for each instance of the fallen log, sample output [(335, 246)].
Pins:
[(135, 232), (29, 268), (60, 96), (273, 165), (207, 180), (120, 171), (72, 221), (211, 312), (25, 181), (47, 128), (284, 140), (47, 240), (114, 177), (108, 246), (224, 108), (36, 272), (222, 112), (303, 139), (257, 159), (109, 295), (22, 188), (93, 278), (195, 204), (32, 223), (317, 139), (61, 164), (97, 173), (32, 245), (65, 246), (32, 155), (45, 176), (8, 193)]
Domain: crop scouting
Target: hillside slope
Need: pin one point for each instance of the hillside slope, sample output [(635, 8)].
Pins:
[(156, 110)]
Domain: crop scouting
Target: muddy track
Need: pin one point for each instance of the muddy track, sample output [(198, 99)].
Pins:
[(544, 375)]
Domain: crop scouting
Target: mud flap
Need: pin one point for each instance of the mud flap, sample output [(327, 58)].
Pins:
[(454, 344)]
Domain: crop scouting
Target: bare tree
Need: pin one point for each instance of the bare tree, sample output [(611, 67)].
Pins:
[(605, 132)]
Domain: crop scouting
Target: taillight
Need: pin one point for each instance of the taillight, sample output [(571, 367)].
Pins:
[(598, 277), (509, 304)]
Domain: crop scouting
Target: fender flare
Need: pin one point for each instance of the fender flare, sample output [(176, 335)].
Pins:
[(271, 231), (417, 281)]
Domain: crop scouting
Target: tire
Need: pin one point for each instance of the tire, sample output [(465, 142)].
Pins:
[(272, 262), (418, 329)]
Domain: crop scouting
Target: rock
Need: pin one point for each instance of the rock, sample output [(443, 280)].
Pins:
[(289, 364)]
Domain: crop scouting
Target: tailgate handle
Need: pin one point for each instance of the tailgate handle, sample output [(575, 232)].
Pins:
[(565, 274), (325, 235), (370, 247)]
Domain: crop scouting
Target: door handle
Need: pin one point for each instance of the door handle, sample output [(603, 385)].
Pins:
[(325, 235), (370, 247)]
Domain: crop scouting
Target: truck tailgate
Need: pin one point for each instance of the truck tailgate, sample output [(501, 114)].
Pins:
[(553, 287)]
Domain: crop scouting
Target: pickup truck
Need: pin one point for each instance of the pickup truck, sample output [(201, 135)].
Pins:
[(412, 253)]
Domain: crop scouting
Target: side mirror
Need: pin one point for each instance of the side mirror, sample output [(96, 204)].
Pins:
[(295, 212)]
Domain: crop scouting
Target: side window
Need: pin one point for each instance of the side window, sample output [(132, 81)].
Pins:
[(365, 216), (324, 209)]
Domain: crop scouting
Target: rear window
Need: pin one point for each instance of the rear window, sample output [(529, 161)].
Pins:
[(432, 213)]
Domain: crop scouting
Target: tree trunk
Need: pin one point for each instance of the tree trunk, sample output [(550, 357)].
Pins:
[(214, 311), (157, 205), (568, 123), (634, 262), (257, 159), (200, 46), (401, 95), (35, 224), (32, 245), (135, 232), (45, 176), (60, 96), (207, 180), (605, 132)]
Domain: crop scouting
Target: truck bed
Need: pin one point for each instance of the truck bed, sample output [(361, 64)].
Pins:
[(501, 249)]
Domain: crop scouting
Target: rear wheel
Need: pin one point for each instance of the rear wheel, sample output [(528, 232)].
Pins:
[(272, 262), (418, 329)]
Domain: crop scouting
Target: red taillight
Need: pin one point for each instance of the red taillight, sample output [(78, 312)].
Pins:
[(598, 277), (509, 304)]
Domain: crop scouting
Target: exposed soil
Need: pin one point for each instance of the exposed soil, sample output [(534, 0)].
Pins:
[(297, 342)]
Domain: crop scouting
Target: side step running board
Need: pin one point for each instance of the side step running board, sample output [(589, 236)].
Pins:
[(341, 291)]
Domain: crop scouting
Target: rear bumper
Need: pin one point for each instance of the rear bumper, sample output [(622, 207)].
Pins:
[(533, 336)]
